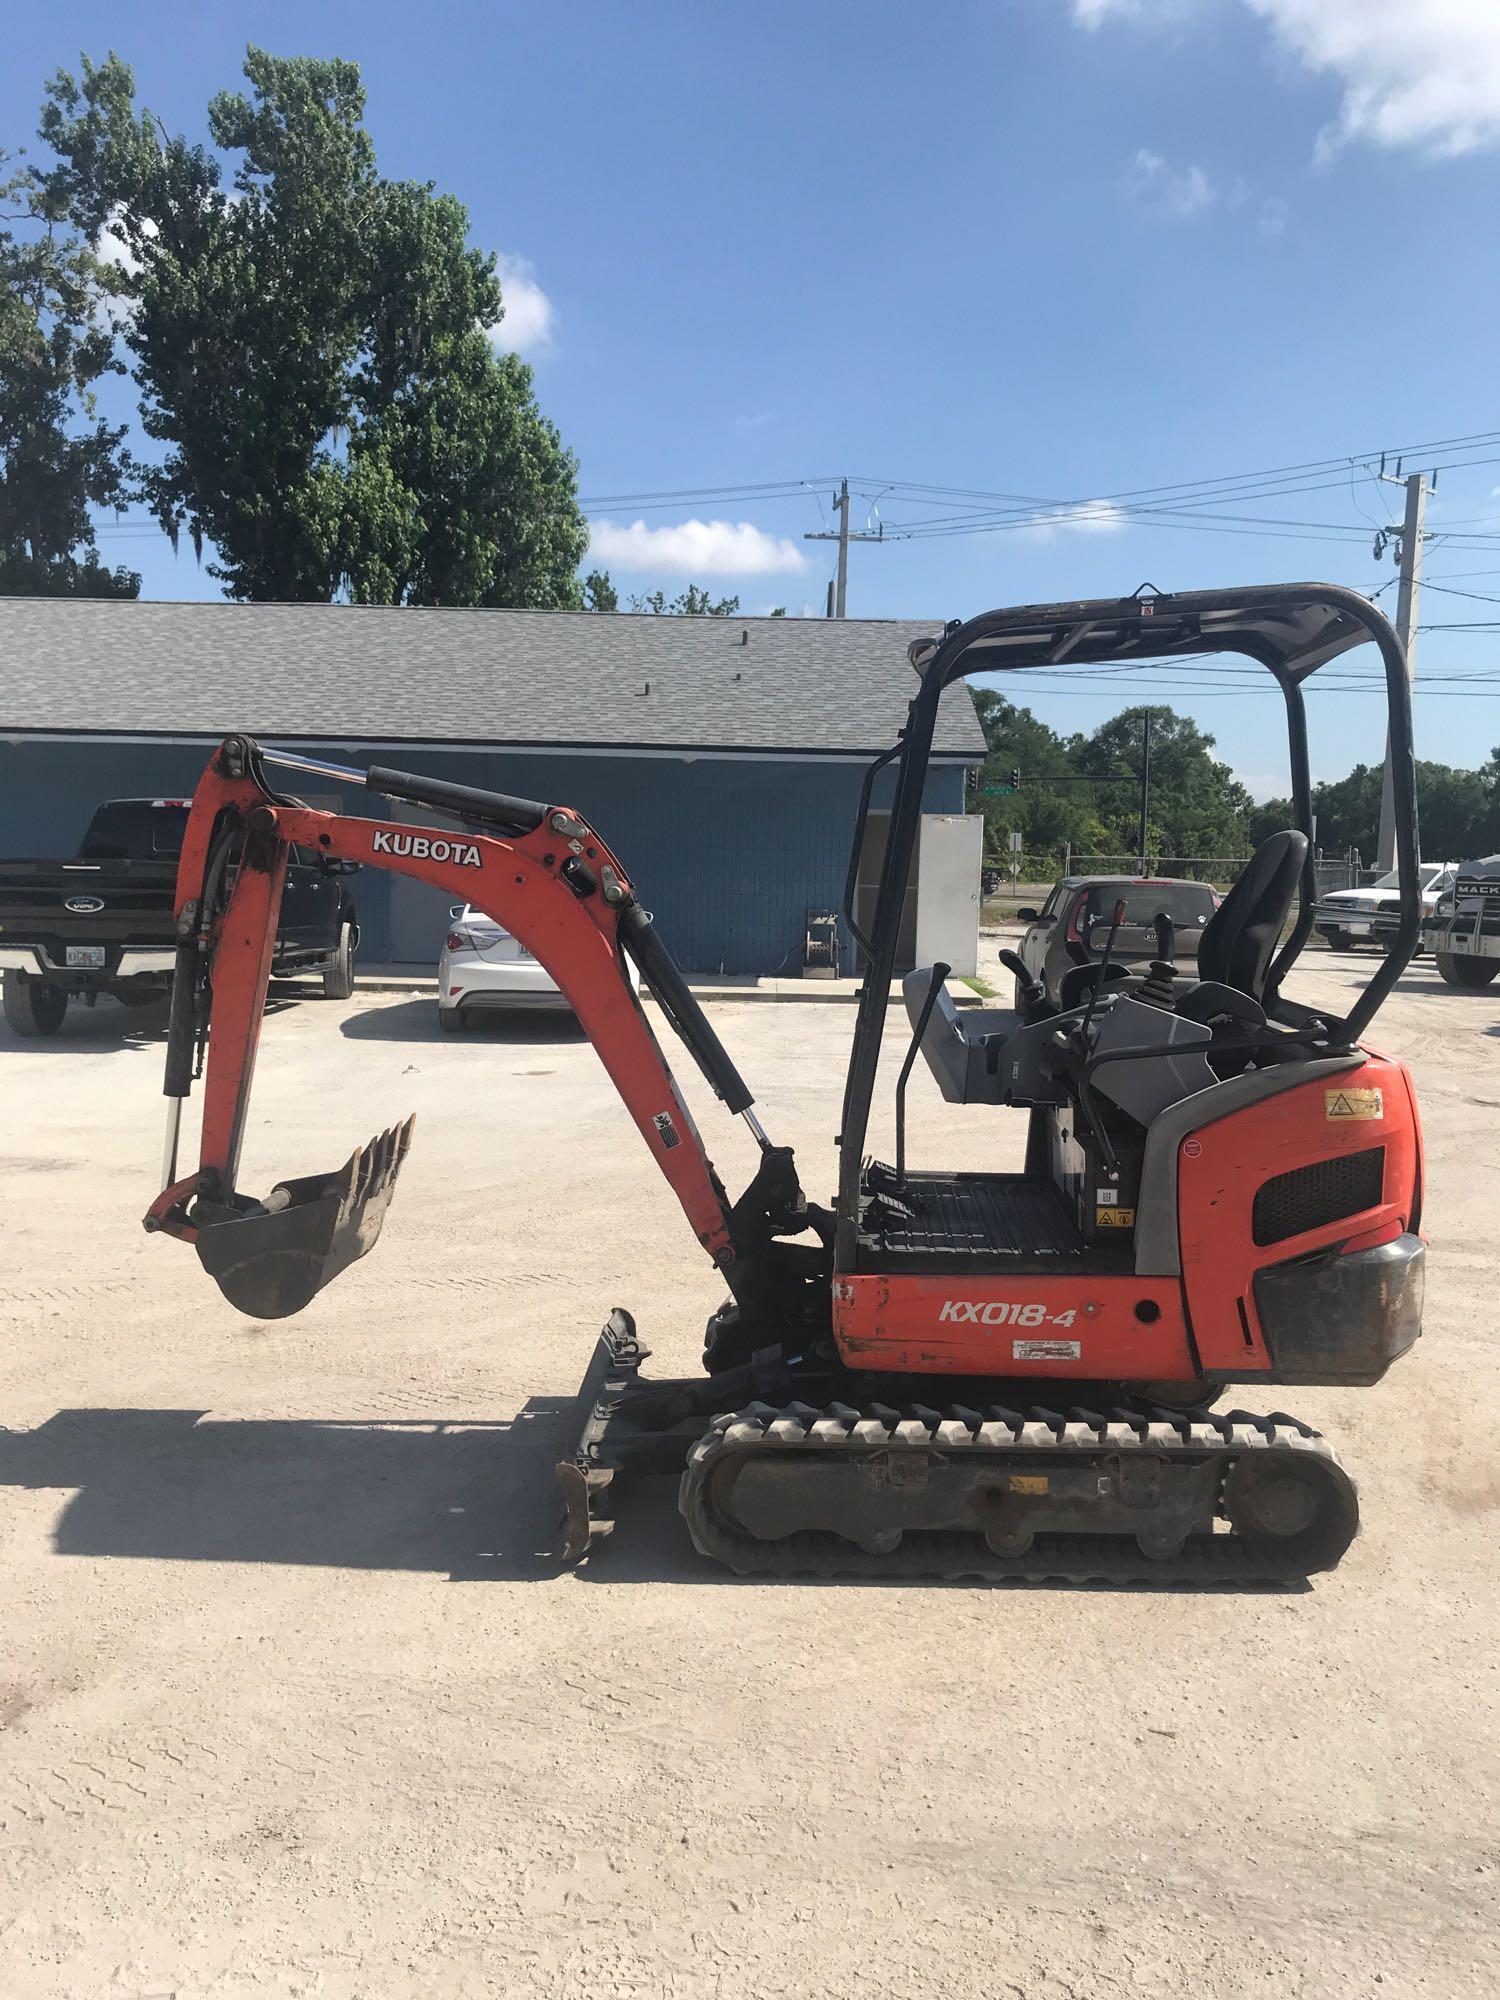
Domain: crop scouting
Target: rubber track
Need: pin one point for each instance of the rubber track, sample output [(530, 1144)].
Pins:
[(1009, 1436)]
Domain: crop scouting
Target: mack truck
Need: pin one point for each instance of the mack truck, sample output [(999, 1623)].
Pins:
[(1463, 929)]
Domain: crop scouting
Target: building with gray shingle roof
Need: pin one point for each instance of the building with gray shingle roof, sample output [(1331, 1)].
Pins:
[(720, 757)]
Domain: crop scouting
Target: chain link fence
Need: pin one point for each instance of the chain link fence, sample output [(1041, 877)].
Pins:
[(1022, 881)]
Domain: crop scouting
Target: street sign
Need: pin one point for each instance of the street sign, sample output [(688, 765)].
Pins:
[(1015, 843), (997, 791)]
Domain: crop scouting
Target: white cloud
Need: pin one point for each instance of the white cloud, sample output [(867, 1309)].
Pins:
[(1094, 13), (1084, 517), (1181, 192), (1424, 75), (1414, 73), (1270, 217), (527, 321), (695, 548), (112, 247)]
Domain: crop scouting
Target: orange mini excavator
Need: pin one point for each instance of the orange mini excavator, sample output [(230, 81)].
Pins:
[(941, 1374)]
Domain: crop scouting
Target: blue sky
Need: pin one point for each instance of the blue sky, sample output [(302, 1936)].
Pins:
[(1060, 249)]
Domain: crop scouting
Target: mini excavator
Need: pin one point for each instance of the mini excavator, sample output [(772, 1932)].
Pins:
[(983, 1374)]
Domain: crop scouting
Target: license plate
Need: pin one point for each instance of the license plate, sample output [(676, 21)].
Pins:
[(1359, 930), (85, 957)]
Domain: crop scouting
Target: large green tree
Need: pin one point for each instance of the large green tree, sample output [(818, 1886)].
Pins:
[(1045, 811), (1197, 806), (312, 347), (1085, 790), (58, 457), (1458, 811)]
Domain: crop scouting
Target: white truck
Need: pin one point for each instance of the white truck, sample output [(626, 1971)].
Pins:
[(1346, 918)]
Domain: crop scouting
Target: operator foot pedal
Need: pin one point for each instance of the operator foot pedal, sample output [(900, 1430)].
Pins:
[(270, 1258)]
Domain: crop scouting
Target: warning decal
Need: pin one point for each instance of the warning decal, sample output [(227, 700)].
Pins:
[(1353, 1104), (1046, 1350), (1114, 1218)]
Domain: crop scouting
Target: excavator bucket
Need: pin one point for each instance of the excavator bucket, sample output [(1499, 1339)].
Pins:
[(270, 1258)]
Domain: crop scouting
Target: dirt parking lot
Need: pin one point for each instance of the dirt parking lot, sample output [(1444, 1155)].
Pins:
[(294, 1702)]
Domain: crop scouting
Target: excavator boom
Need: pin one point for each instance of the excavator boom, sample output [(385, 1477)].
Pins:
[(541, 871)]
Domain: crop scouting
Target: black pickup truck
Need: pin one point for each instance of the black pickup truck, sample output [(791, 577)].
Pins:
[(102, 922)]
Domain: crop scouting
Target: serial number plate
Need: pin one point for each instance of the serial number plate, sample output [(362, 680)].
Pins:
[(85, 957)]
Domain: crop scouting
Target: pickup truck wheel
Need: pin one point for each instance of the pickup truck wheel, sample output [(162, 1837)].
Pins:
[(1456, 968), (338, 980), (451, 1020), (34, 1006), (1339, 940)]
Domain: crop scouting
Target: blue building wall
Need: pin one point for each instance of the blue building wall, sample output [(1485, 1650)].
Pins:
[(729, 854)]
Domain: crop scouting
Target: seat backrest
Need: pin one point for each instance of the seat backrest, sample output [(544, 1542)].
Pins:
[(1078, 982), (1241, 935)]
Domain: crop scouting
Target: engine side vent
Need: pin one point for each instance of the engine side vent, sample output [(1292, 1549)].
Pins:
[(1310, 1197)]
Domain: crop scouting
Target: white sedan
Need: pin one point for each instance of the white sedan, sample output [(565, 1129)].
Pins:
[(483, 968)]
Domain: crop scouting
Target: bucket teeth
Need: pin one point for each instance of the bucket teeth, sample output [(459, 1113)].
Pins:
[(375, 1166), (271, 1258)]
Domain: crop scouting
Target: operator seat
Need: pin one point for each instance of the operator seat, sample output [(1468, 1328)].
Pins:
[(1239, 938)]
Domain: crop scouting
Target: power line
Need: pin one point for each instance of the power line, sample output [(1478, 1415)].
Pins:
[(774, 489), (1472, 441), (1173, 503)]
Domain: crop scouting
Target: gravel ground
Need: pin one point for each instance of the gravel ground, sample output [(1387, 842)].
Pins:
[(293, 1701)]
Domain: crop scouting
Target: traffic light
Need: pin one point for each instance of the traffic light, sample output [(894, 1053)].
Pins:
[(1015, 777)]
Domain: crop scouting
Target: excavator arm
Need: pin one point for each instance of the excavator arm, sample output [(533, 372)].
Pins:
[(542, 872)]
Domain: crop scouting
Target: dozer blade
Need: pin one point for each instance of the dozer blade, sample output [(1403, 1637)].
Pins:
[(270, 1258)]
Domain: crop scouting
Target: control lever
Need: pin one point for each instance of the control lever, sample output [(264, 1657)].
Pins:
[(1109, 947), (1029, 990), (1160, 984)]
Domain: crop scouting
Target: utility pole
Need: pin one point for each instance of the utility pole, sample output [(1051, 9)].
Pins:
[(1408, 593), (843, 538), (1145, 782)]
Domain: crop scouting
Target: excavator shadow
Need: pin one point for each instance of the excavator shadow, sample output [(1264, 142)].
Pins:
[(474, 1501)]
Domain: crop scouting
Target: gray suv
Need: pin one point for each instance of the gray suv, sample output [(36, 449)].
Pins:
[(1072, 926)]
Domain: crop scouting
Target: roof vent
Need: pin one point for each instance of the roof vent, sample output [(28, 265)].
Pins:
[(745, 636)]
